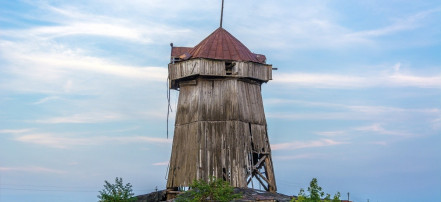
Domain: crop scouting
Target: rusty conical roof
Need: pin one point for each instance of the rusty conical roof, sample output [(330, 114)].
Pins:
[(221, 45)]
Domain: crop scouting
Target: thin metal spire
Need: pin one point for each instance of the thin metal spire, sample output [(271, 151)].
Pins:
[(222, 13)]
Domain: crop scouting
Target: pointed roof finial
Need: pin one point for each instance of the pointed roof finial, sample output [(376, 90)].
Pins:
[(222, 13)]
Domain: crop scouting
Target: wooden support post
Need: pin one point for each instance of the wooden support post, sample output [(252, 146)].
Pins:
[(270, 174)]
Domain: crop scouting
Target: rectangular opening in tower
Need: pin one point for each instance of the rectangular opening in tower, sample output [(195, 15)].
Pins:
[(229, 68)]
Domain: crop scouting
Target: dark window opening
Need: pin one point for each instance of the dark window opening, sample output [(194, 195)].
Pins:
[(229, 68)]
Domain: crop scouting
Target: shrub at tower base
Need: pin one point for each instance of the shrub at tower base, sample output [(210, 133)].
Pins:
[(117, 192), (215, 189), (315, 194)]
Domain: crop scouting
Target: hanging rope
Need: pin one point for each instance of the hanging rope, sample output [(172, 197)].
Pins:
[(168, 113), (169, 109)]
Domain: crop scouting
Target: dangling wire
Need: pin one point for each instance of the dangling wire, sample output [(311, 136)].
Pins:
[(172, 61), (168, 113), (169, 109)]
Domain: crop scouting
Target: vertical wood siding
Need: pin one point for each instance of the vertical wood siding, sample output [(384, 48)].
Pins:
[(219, 123), (205, 67)]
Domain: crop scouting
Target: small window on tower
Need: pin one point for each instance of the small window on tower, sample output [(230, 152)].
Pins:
[(229, 68)]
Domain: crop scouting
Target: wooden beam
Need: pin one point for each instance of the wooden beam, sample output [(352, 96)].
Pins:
[(264, 186), (257, 165), (263, 177)]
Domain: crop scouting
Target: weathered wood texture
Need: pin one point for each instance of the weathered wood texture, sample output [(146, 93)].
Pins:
[(220, 124), (226, 99), (206, 67)]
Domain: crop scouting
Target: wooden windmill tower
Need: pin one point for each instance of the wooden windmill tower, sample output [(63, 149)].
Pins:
[(220, 127)]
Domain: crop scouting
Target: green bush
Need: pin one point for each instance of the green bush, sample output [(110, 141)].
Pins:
[(117, 192), (315, 194), (215, 189)]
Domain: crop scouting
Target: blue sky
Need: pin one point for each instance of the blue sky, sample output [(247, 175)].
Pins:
[(355, 102)]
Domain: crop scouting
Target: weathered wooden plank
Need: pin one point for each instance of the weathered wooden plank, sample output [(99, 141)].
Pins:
[(208, 67), (187, 105), (180, 162)]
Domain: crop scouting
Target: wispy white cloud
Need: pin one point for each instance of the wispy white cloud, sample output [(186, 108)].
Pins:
[(377, 128), (53, 59), (341, 81), (369, 130), (379, 109), (436, 123), (55, 69), (83, 118), (33, 169), (331, 133), (322, 80), (379, 134), (415, 81), (382, 143), (408, 23), (299, 156), (15, 131), (316, 26), (84, 28), (70, 21), (135, 139), (46, 99), (280, 101), (306, 144), (164, 163), (366, 109), (62, 141), (315, 116), (51, 140)]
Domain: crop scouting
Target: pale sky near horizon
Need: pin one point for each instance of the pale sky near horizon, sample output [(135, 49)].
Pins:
[(355, 102)]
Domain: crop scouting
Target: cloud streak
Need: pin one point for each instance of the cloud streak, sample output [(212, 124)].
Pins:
[(315, 26), (377, 128), (83, 118), (46, 99), (61, 141), (68, 21), (164, 163), (300, 156), (306, 144), (59, 59), (340, 81), (408, 23), (15, 131), (53, 69), (33, 169)]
